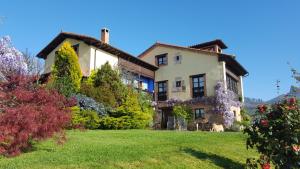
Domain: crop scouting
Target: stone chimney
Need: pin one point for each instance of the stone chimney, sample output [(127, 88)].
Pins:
[(105, 35)]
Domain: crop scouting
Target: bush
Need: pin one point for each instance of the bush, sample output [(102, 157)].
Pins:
[(87, 103), (123, 122), (66, 72), (87, 119), (101, 94), (105, 86), (130, 114), (30, 113), (246, 118), (275, 133), (182, 111)]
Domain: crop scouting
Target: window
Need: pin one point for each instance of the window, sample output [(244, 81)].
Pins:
[(162, 59), (198, 86), (231, 84), (199, 113), (162, 91), (76, 48), (178, 83), (177, 59)]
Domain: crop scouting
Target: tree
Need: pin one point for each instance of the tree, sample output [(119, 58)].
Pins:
[(34, 66), (66, 72), (11, 59), (105, 86), (29, 113)]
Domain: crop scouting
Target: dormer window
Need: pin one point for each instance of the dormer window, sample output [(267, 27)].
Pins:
[(161, 59)]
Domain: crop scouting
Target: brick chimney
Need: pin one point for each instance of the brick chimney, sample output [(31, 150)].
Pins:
[(105, 35)]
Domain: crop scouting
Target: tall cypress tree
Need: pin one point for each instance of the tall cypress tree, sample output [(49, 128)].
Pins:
[(66, 72)]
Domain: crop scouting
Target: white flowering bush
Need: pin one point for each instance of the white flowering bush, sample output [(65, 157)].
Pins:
[(11, 59)]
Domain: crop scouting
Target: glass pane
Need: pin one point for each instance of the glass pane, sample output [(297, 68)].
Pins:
[(195, 79)]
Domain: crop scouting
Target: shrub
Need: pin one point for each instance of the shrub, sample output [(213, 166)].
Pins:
[(246, 118), (275, 133), (87, 119), (182, 111), (105, 86), (66, 72), (123, 122), (29, 113), (101, 94), (130, 114), (87, 103)]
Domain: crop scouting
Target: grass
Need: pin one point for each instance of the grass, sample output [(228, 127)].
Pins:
[(136, 149)]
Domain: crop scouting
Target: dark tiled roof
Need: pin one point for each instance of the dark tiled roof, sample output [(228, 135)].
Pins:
[(233, 64), (94, 42), (210, 43)]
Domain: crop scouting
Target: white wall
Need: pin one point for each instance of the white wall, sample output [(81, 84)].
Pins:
[(84, 57), (101, 58)]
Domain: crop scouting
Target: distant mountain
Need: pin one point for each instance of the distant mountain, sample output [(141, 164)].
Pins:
[(250, 104), (294, 91)]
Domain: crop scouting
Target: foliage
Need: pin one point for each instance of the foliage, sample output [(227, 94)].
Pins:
[(11, 59), (87, 103), (87, 119), (106, 82), (63, 85), (225, 99), (101, 94), (29, 113), (246, 118), (275, 133), (133, 113), (66, 72), (182, 111), (123, 122)]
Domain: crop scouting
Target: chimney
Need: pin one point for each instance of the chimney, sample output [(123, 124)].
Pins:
[(105, 35)]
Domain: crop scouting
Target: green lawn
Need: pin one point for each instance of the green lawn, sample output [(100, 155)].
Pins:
[(136, 149)]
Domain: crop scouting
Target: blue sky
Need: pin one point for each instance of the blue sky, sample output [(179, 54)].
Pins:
[(264, 35)]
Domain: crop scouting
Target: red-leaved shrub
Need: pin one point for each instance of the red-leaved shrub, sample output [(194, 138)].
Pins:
[(29, 112)]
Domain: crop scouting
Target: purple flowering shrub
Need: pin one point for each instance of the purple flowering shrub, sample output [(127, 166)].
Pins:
[(225, 99), (11, 59)]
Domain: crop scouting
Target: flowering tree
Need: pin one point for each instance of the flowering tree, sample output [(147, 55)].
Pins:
[(225, 99), (11, 60)]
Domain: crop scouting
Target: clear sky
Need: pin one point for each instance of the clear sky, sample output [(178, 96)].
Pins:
[(264, 35)]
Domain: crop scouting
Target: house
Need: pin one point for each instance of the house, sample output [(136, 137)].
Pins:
[(190, 74), (169, 72), (92, 53)]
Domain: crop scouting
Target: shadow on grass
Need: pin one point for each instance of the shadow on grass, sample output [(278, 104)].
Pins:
[(216, 159)]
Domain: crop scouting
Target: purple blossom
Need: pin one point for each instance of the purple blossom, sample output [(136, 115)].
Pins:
[(225, 99), (11, 60)]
